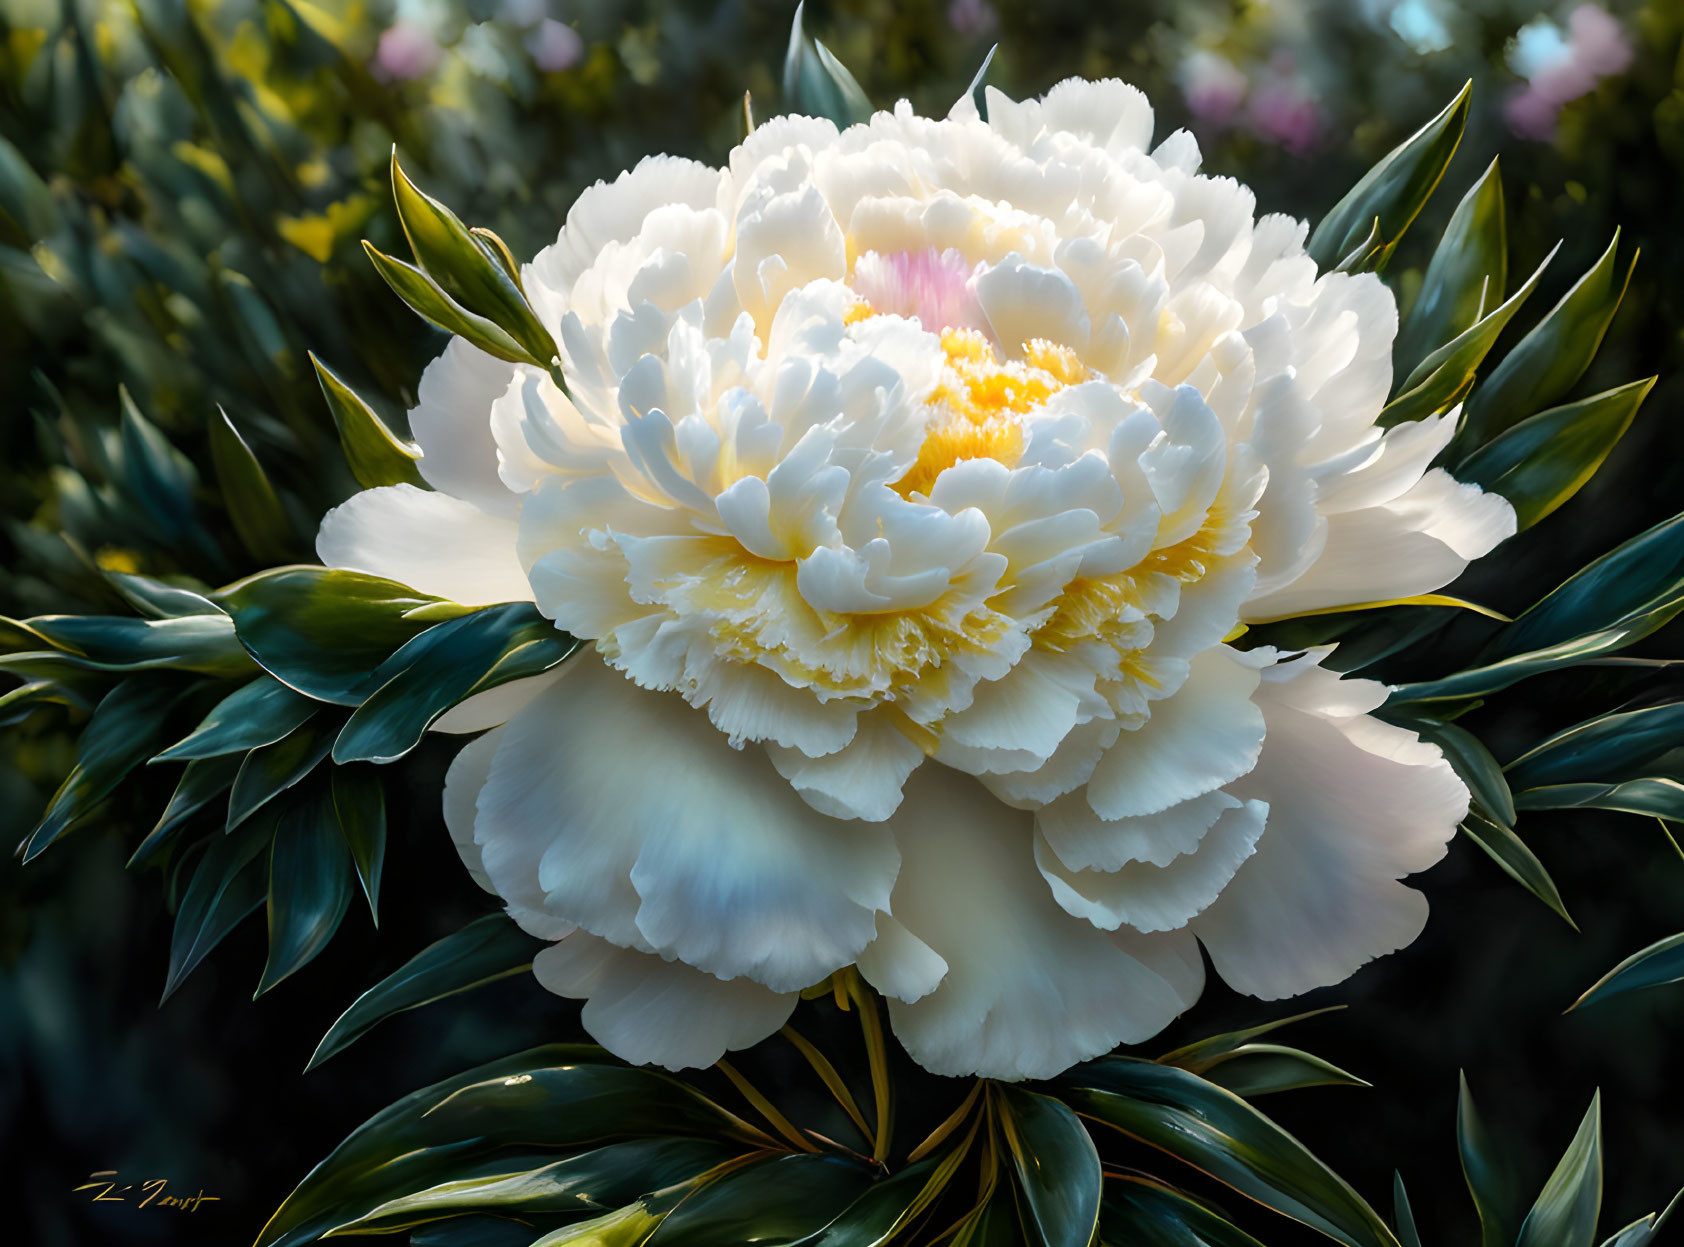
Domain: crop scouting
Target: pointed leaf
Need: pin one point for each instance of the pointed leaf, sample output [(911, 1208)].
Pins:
[(258, 713), (1403, 1214), (1495, 1193), (1469, 269), (1518, 862), (1474, 765), (205, 644), (228, 883), (602, 1178), (1443, 378), (1642, 1230), (1057, 1167), (1602, 748), (203, 781), (324, 631), (1659, 964), (432, 304), (155, 475), (375, 454), (1393, 190), (125, 729), (1200, 1055), (816, 83), (1219, 1133), (1141, 1212), (560, 1096), (468, 270), (779, 1200), (309, 887), (1265, 1068), (158, 600), (1545, 459), (484, 951), (442, 667), (1545, 363), (359, 806), (1566, 1211), (1659, 796), (272, 769), (979, 80), (259, 520), (889, 1205)]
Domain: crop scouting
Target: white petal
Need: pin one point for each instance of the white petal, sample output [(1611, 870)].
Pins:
[(432, 542), (1205, 736), (493, 707), (1085, 841), (651, 1011), (634, 818), (1029, 990), (862, 780), (462, 783), (451, 423), (1355, 804), (899, 964), (1157, 898)]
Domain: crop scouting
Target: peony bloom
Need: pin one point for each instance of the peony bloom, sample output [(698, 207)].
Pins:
[(910, 484)]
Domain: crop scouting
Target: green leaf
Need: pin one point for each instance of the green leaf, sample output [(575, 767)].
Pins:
[(1600, 749), (1442, 379), (1141, 1212), (979, 81), (272, 769), (1566, 1210), (442, 667), (1545, 459), (1620, 598), (603, 1178), (205, 644), (561, 1096), (1659, 964), (888, 1206), (125, 729), (375, 454), (1474, 765), (432, 304), (227, 884), (1642, 1230), (1216, 1131), (630, 1226), (1491, 1182), (1264, 1068), (1659, 796), (467, 269), (1519, 862), (1200, 1055), (1469, 270), (1394, 189), (155, 475), (157, 600), (309, 887), (203, 780), (259, 520), (1057, 1167), (484, 951), (359, 806), (776, 1201), (1368, 255), (816, 83), (1545, 363), (258, 713), (324, 631), (1403, 1214)]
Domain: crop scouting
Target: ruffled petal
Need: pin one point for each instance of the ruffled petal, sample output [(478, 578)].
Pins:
[(631, 816), (432, 542), (651, 1011), (1354, 805), (451, 423), (1029, 990)]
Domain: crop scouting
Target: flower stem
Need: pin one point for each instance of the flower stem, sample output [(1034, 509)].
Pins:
[(877, 1053), (768, 1110), (953, 1122), (831, 1079)]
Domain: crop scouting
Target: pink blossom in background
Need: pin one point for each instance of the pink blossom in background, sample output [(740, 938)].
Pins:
[(406, 50), (972, 17), (1285, 112), (1212, 87), (555, 46), (1596, 48)]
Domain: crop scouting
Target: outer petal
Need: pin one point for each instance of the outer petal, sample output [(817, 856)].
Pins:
[(633, 817), (1029, 989), (431, 542), (1355, 804), (651, 1011), (452, 425)]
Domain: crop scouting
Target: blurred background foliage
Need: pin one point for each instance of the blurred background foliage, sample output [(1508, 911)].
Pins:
[(183, 188)]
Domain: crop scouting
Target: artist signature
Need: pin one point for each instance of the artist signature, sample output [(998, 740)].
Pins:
[(153, 1192)]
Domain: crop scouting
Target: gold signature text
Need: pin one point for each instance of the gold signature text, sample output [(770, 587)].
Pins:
[(108, 1188)]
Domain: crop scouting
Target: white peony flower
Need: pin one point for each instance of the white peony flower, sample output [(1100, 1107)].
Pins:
[(909, 482)]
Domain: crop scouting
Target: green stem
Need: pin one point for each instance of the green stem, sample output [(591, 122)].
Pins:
[(831, 1079), (877, 1053), (768, 1110)]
